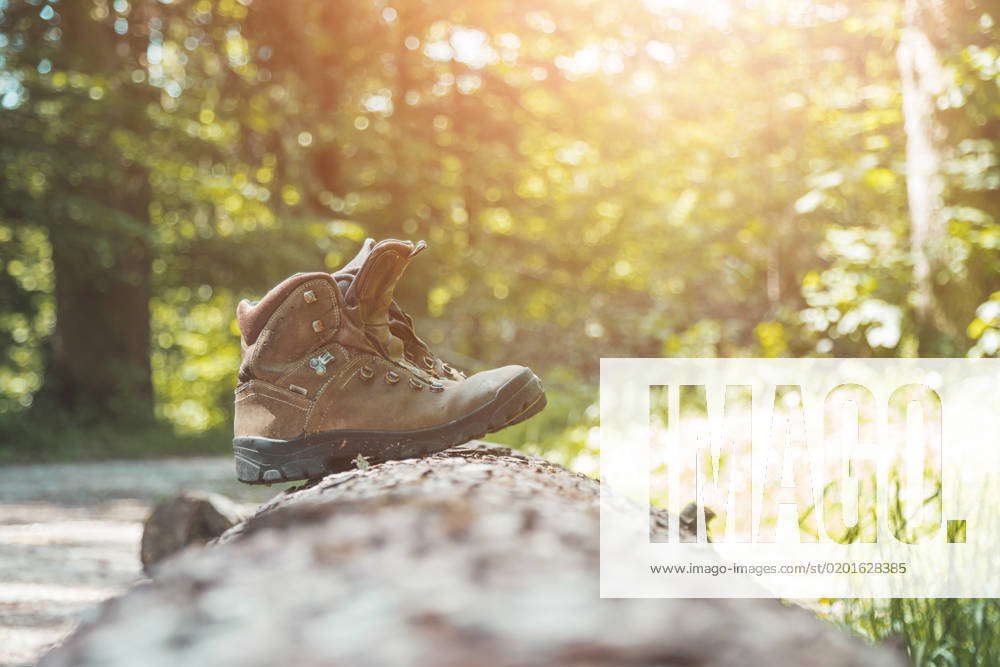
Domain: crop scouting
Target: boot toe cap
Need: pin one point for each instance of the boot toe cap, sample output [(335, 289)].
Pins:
[(494, 381)]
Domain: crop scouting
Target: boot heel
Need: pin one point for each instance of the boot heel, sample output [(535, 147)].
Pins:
[(247, 471), (266, 460)]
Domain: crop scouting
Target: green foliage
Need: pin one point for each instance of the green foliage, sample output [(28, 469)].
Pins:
[(735, 187), (195, 351), (934, 631), (940, 632), (26, 280), (566, 431)]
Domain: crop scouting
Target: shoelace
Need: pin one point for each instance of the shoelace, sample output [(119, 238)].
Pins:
[(414, 347)]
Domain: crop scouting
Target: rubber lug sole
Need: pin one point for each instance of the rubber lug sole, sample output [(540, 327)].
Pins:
[(268, 461)]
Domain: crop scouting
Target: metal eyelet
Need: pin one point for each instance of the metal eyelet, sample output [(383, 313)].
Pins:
[(436, 387), (416, 384), (429, 362), (366, 373), (319, 363), (392, 377)]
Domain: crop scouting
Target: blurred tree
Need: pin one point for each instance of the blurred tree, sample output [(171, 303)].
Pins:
[(643, 178), (922, 78), (69, 172)]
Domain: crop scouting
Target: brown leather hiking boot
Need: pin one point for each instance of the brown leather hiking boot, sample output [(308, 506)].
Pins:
[(319, 384)]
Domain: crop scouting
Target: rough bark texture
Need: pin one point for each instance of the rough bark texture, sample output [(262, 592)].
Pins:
[(477, 556)]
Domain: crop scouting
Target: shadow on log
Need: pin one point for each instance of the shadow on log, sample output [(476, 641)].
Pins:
[(477, 556)]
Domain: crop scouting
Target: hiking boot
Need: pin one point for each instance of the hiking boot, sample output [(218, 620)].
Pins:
[(318, 387), (400, 325)]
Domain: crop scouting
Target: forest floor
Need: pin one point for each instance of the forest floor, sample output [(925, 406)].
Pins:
[(69, 538)]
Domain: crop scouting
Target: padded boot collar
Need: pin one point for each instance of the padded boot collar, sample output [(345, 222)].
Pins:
[(252, 316)]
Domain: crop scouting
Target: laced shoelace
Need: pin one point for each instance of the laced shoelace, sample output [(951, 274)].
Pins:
[(415, 349), (401, 326)]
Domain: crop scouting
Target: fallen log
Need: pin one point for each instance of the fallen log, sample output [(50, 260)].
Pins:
[(477, 556)]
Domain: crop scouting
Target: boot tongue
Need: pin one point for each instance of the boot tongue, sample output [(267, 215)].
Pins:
[(346, 275), (369, 281), (355, 264)]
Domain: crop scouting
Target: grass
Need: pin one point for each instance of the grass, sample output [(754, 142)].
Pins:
[(934, 631), (24, 439)]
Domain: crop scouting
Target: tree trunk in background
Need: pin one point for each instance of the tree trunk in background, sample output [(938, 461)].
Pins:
[(99, 359), (922, 80), (477, 556)]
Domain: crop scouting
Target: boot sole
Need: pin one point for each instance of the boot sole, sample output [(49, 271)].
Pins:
[(269, 460)]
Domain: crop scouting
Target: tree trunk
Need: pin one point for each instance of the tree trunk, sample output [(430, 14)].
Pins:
[(922, 79), (477, 556), (99, 358)]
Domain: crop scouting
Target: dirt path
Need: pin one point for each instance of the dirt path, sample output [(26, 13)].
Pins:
[(69, 538)]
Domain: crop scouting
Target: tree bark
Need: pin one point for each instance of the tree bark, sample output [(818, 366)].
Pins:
[(477, 556), (99, 360), (922, 79), (98, 357)]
